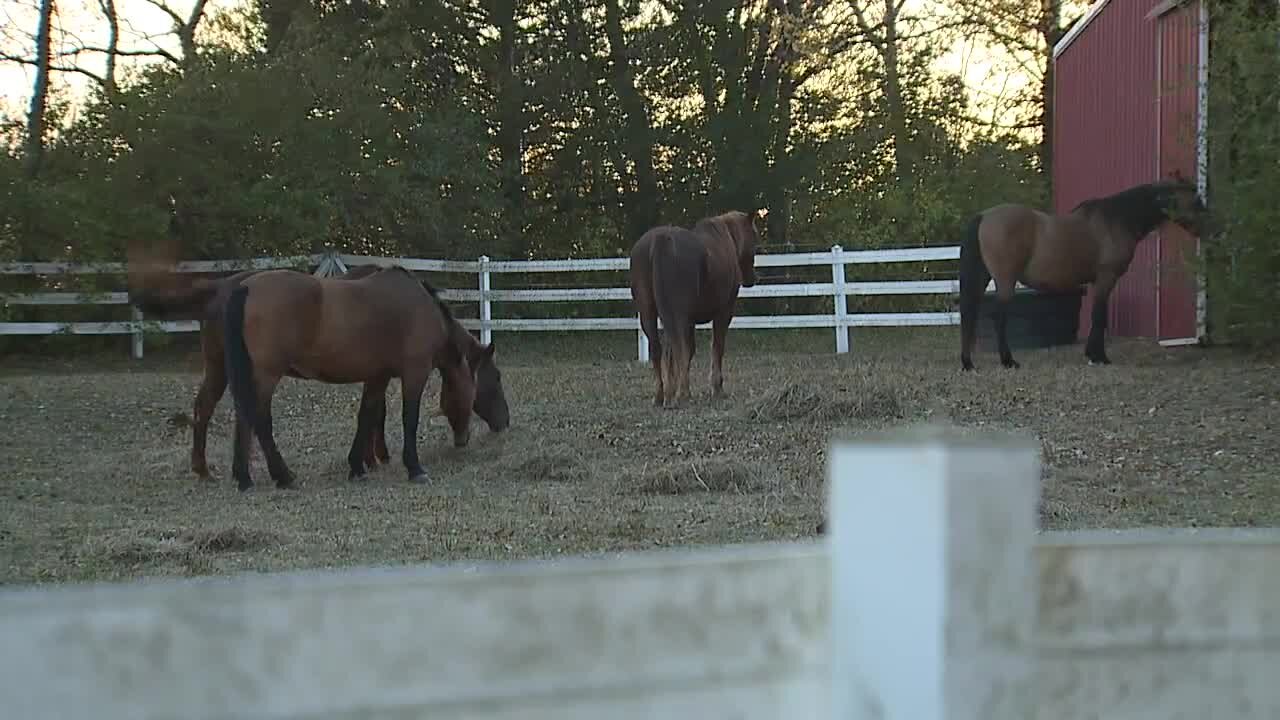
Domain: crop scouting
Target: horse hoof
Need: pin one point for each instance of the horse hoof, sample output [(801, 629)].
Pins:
[(360, 477), (420, 479), (286, 484), (246, 487)]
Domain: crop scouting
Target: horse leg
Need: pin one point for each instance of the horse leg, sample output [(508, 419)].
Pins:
[(686, 362), (1004, 296), (241, 446), (380, 430), (276, 466), (212, 387), (1095, 349), (719, 330), (362, 445), (412, 383), (376, 450)]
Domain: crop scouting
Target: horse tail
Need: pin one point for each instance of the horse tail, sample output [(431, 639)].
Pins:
[(184, 304), (238, 361), (672, 283), (974, 276), (973, 269)]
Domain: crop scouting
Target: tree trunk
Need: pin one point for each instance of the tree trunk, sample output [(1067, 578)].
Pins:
[(642, 207), (1051, 31), (113, 42), (902, 155), (40, 93), (510, 124)]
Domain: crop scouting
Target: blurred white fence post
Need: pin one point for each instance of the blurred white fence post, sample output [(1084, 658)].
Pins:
[(137, 333), (642, 343), (842, 308), (933, 576), (486, 306)]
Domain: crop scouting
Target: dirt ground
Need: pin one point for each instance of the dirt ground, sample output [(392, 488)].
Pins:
[(98, 487)]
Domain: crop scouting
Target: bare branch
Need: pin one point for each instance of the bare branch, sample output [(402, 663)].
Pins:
[(157, 52), (8, 57), (177, 19)]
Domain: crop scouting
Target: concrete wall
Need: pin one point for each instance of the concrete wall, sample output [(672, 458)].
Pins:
[(1139, 624)]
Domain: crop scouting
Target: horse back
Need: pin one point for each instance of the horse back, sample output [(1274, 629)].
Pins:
[(1043, 251)]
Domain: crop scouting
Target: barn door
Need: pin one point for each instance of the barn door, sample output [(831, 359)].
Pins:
[(1178, 101)]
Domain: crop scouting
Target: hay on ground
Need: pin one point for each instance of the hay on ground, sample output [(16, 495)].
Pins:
[(796, 400), (694, 475)]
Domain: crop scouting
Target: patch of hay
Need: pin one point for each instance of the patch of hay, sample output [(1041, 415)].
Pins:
[(789, 402), (694, 475), (795, 400), (867, 403), (551, 463), (137, 547)]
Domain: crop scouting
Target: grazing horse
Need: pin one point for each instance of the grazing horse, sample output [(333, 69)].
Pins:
[(385, 325), (204, 301), (1094, 243), (688, 277)]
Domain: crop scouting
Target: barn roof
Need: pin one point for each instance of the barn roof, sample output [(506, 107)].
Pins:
[(1093, 12), (1071, 34)]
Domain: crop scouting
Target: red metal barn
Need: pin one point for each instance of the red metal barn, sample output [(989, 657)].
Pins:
[(1128, 108)]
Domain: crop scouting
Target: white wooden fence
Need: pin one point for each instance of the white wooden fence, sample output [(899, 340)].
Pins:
[(484, 268), (932, 599)]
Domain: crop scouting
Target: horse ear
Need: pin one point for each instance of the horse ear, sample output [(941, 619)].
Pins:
[(490, 350)]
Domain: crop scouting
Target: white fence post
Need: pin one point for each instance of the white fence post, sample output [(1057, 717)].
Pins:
[(642, 343), (486, 307), (933, 576), (137, 333), (842, 309)]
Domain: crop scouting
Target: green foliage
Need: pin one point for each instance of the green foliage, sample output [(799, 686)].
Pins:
[(375, 128), (1243, 262)]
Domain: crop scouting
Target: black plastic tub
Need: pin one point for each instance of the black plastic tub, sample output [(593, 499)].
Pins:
[(1036, 319)]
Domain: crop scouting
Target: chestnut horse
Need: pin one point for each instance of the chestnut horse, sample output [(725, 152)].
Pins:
[(204, 301), (686, 278), (385, 325), (1094, 243)]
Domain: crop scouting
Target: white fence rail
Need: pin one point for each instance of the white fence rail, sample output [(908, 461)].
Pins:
[(840, 320), (933, 599)]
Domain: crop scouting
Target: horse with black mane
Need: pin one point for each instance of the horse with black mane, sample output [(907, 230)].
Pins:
[(1094, 243), (388, 324), (203, 300), (687, 277)]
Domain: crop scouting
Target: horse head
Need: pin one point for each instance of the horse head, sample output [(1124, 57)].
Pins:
[(1182, 205), (745, 238), (491, 399)]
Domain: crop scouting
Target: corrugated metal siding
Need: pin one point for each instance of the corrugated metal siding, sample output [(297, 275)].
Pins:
[(1105, 140), (1179, 55)]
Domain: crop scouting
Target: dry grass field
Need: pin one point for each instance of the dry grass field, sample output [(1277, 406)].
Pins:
[(97, 484)]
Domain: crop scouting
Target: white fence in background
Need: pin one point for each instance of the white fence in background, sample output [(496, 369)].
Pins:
[(484, 268), (932, 599)]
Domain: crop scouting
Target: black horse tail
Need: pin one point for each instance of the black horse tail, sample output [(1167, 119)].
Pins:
[(239, 363), (974, 274)]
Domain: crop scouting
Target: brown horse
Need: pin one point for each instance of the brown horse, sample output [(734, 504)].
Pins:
[(385, 325), (1094, 243), (686, 278), (203, 301)]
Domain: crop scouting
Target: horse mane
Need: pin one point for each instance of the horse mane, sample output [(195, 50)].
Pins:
[(453, 327), (721, 225), (1138, 209)]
